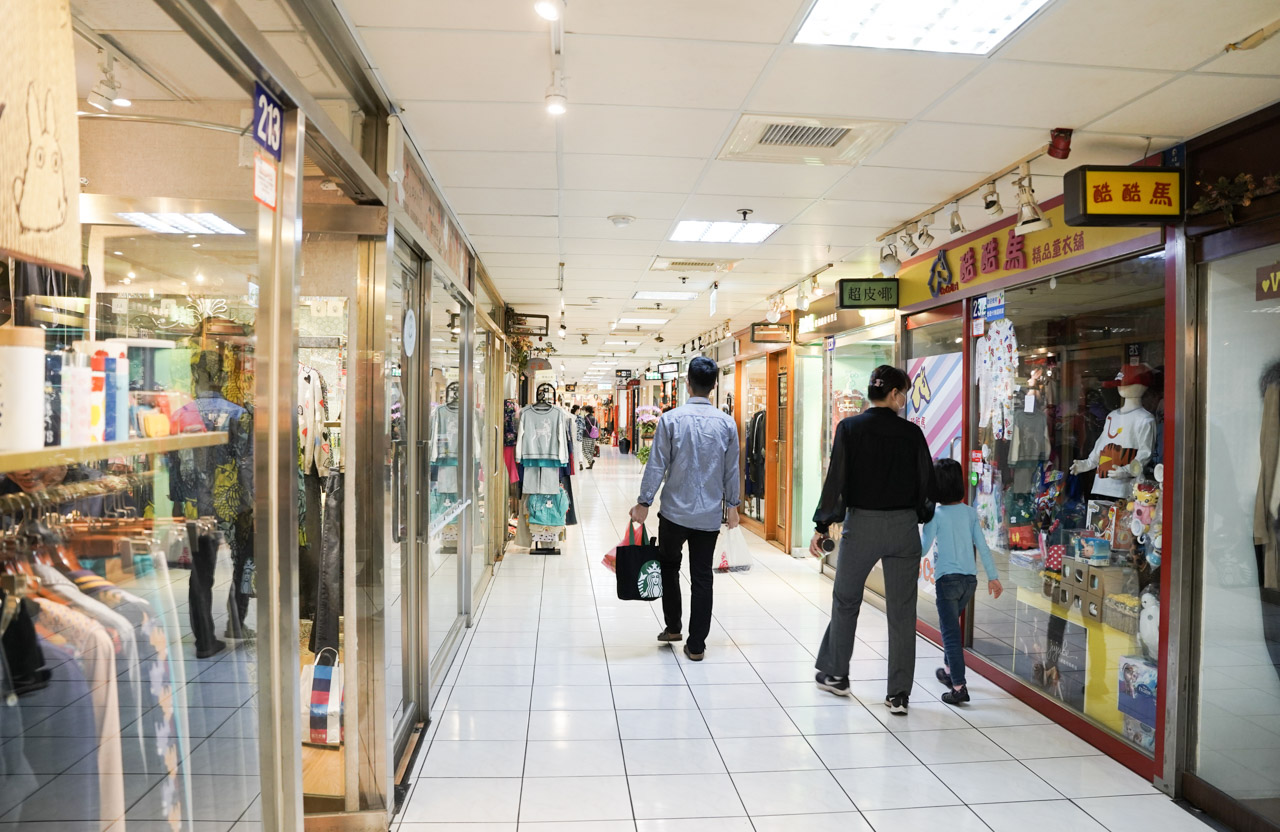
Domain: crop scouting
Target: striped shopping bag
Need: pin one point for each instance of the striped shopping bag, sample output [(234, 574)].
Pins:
[(322, 701)]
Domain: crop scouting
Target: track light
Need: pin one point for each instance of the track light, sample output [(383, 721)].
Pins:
[(106, 94), (889, 262), (455, 323), (775, 310), (1030, 218), (549, 9), (908, 241), (557, 103), (584, 339), (924, 237), (563, 329), (956, 222), (802, 298), (991, 200), (815, 288)]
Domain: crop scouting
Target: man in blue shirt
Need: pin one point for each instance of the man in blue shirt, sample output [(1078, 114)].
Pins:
[(695, 450)]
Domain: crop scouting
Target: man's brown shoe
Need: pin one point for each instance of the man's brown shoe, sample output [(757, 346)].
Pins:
[(693, 657), (667, 637)]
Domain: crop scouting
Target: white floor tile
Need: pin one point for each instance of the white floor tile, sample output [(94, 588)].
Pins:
[(662, 725), (734, 696), (950, 818), (488, 698), (791, 793), (573, 758), (920, 716), (1156, 812), (843, 718), (572, 725), (898, 787), (1027, 742), (1041, 816), (843, 821), (653, 698), (579, 826), (672, 757), (999, 782), (463, 800), (754, 754), (548, 799), (474, 758), (572, 698), (571, 674), (696, 825), (840, 751), (965, 745), (685, 796), (1089, 776), (750, 722)]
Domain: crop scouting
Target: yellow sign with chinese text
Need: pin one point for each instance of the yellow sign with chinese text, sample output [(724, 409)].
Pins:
[(987, 258), (1112, 195)]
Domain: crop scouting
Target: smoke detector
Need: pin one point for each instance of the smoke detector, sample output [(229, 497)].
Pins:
[(621, 220)]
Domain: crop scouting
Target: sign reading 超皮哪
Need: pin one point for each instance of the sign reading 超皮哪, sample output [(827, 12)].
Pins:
[(997, 256)]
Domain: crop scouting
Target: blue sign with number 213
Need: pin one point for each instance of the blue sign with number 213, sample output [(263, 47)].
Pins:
[(268, 120)]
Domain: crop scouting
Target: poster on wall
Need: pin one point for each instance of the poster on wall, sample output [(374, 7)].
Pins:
[(935, 401), (39, 136)]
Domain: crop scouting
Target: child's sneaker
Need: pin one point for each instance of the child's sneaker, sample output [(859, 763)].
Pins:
[(943, 676), (956, 696)]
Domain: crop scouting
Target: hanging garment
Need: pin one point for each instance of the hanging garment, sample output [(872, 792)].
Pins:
[(547, 509), (997, 366), (541, 434), (445, 448), (22, 656), (1266, 511), (313, 411), (510, 423), (1127, 436), (541, 476), (571, 515), (328, 591)]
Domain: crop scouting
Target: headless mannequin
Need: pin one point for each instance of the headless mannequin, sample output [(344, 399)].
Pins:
[(1121, 462)]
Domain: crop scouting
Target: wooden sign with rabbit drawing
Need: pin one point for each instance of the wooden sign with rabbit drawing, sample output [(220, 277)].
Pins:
[(39, 136)]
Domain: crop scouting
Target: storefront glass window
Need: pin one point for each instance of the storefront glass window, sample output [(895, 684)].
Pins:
[(1237, 683), (1069, 412), (755, 437), (445, 498), (481, 452), (808, 458)]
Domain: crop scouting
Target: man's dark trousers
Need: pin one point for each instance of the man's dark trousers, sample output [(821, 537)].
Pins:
[(702, 550)]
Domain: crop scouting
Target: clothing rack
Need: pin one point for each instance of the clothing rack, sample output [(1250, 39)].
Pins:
[(56, 495)]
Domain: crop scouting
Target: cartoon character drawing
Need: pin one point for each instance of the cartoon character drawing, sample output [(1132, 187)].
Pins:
[(921, 394), (1115, 458), (41, 192), (650, 582)]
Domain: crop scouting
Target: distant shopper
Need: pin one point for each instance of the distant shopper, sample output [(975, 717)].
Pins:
[(590, 433), (958, 532), (579, 425), (695, 451), (880, 482)]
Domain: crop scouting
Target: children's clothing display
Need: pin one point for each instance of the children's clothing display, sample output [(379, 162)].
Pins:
[(997, 355), (543, 439), (1127, 437)]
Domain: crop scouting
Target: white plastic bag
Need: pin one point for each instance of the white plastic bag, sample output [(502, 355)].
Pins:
[(732, 554)]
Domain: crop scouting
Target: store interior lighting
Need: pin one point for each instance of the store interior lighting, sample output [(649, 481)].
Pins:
[(971, 27), (909, 242), (643, 321), (802, 297), (171, 223), (991, 200), (815, 288), (776, 308), (549, 9), (924, 237), (889, 262), (665, 296), (563, 329), (700, 231), (584, 339), (106, 93), (1030, 217), (956, 222)]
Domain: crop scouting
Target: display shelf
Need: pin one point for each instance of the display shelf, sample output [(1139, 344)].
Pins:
[(70, 455)]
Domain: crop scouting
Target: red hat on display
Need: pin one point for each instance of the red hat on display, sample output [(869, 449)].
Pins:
[(1129, 375)]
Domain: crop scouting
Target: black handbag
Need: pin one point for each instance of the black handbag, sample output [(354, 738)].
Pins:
[(638, 568)]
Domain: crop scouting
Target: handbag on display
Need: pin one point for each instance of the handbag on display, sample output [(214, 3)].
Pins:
[(639, 569), (322, 701)]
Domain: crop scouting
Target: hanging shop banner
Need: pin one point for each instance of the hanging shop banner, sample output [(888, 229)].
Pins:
[(531, 325), (1108, 195), (418, 196), (622, 375), (935, 401), (770, 333), (1268, 282), (874, 293), (998, 255), (39, 137)]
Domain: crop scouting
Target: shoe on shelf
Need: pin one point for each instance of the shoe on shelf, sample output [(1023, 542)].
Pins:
[(218, 647), (668, 637), (839, 685), (943, 676), (956, 696), (693, 657), (897, 704)]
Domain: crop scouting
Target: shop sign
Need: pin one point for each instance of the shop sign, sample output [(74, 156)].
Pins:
[(622, 375), (1110, 195), (653, 376), (268, 120), (264, 181), (770, 333), (425, 207), (39, 137), (875, 293), (831, 343), (1002, 254), (811, 323), (979, 317), (1269, 282), (571, 388), (995, 305), (531, 325), (669, 367)]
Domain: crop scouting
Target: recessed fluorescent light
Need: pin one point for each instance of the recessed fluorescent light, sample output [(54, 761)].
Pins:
[(698, 231), (665, 296), (622, 343), (172, 223), (643, 321), (971, 27)]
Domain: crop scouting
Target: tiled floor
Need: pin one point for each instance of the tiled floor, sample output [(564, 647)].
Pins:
[(563, 713)]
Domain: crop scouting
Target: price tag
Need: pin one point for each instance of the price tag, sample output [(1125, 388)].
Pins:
[(268, 120), (1029, 405), (264, 180)]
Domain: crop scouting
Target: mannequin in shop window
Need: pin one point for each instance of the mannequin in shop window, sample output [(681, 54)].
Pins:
[(1128, 437)]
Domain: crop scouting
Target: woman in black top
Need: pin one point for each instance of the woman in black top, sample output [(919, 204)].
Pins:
[(589, 441), (879, 483)]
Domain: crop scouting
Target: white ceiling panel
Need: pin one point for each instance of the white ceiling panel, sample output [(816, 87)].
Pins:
[(761, 21), (548, 260), (644, 131), (492, 225), (600, 228), (1170, 111), (607, 262), (459, 125), (862, 83), (1101, 149), (174, 56), (112, 15), (824, 235), (964, 147), (764, 208), (529, 201), (705, 250), (1263, 60), (608, 203), (825, 254), (880, 184), (584, 171), (1153, 34), (590, 245), (844, 212), (464, 168), (492, 15), (530, 276), (768, 179), (433, 65), (662, 73), (1059, 96), (514, 245)]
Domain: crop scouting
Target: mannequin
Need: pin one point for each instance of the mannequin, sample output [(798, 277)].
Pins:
[(1125, 445)]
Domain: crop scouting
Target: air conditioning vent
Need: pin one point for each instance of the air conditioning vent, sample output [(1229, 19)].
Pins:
[(669, 264), (802, 135), (803, 140)]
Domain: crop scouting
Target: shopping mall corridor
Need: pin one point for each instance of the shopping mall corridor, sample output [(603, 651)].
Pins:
[(563, 713)]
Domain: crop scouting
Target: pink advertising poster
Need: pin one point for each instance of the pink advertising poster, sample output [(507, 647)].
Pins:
[(935, 401)]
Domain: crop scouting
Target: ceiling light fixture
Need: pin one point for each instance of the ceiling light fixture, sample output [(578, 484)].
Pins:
[(557, 100), (701, 231), (991, 200), (106, 94), (643, 321), (815, 288), (549, 9), (621, 220), (972, 27), (563, 329), (455, 323), (924, 237), (1030, 217), (584, 339), (172, 223), (956, 222), (909, 242), (1060, 142), (665, 296), (889, 262), (802, 297)]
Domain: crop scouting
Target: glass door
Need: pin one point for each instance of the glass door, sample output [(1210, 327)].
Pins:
[(782, 407), (755, 438), (482, 453)]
